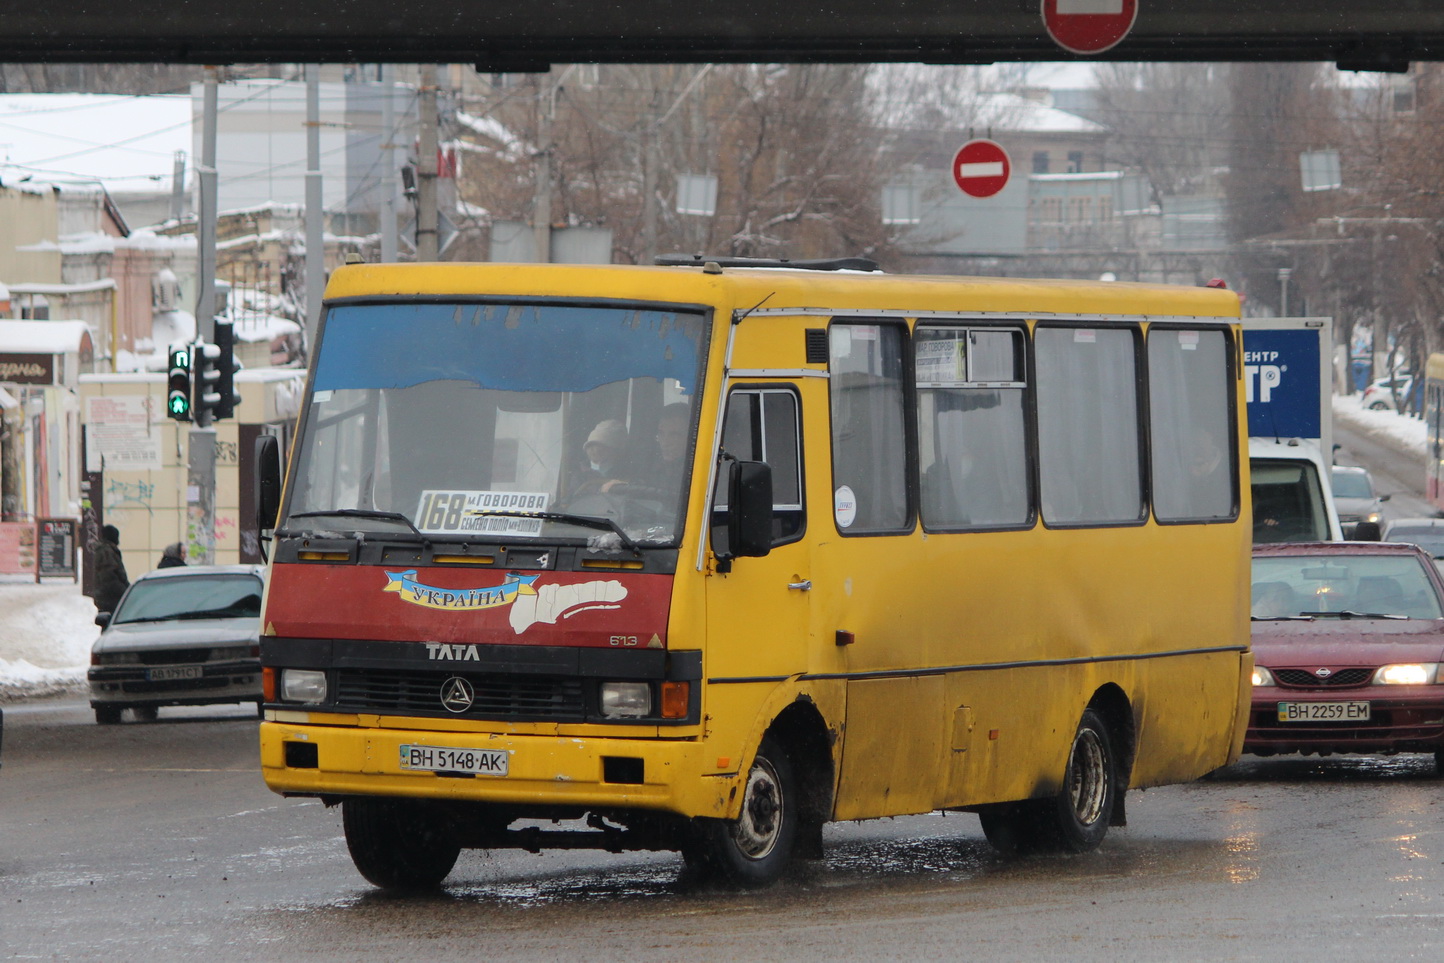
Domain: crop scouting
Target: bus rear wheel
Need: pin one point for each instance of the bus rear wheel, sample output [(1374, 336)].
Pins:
[(753, 849), (1078, 816), (399, 845), (1076, 819)]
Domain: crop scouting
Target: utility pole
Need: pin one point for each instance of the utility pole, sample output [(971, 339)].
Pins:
[(541, 215), (315, 207), (388, 164), (201, 442), (427, 244), (648, 147)]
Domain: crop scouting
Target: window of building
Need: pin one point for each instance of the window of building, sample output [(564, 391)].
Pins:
[(1040, 162), (1075, 162), (1080, 210), (1088, 425), (972, 437), (1189, 386), (869, 443)]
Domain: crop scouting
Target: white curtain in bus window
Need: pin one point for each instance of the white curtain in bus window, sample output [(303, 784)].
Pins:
[(1088, 425), (1188, 401), (869, 465), (972, 443)]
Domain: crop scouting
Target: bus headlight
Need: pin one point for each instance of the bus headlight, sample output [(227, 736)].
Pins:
[(626, 700), (1406, 673), (303, 685), (1262, 676)]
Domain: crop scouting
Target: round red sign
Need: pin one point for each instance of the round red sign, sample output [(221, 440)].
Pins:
[(981, 168), (1088, 26)]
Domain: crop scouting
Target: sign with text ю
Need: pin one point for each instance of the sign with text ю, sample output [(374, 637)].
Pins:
[(1088, 26), (981, 168)]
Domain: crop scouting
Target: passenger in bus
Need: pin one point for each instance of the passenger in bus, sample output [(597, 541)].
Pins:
[(659, 478), (602, 456)]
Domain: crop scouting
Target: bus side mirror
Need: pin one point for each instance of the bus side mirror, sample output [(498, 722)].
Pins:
[(749, 521), (268, 481)]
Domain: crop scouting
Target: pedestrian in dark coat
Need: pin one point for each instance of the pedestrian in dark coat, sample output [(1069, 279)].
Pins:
[(173, 556), (109, 568)]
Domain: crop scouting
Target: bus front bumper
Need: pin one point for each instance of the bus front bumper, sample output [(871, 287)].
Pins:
[(543, 771)]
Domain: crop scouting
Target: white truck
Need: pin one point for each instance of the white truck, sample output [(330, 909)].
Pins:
[(1287, 364)]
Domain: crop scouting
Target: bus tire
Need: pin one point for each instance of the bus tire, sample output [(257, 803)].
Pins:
[(397, 845), (1077, 818), (1013, 829), (754, 849)]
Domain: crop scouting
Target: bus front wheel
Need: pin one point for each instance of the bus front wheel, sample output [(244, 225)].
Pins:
[(753, 849), (398, 845)]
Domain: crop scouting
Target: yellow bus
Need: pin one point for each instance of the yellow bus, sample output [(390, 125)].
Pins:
[(700, 557)]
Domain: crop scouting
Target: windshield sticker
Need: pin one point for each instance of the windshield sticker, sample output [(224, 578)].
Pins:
[(531, 604), (463, 599), (476, 512)]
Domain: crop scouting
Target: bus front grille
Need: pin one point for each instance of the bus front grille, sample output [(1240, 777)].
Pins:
[(493, 696)]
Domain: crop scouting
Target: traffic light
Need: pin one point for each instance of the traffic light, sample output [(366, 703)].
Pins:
[(226, 366), (205, 378), (178, 398)]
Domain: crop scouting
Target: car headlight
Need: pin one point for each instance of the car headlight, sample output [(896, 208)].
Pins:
[(303, 685), (1262, 676), (626, 700), (1406, 673), (115, 658), (1374, 517)]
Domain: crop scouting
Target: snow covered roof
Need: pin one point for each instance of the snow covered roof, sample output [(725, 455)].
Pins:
[(123, 142), (43, 337), (1021, 115)]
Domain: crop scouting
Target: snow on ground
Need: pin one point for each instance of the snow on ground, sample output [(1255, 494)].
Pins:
[(45, 636), (1401, 432)]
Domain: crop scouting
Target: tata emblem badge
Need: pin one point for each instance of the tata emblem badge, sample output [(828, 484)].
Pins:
[(457, 694), (1323, 673)]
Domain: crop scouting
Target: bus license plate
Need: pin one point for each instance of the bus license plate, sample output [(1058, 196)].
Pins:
[(1323, 712), (166, 673), (480, 762)]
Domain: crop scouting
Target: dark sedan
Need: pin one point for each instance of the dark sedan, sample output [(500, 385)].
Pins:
[(1348, 638), (179, 637)]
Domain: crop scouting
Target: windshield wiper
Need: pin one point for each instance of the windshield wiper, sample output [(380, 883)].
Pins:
[(357, 513), (586, 521), (1282, 618), (1351, 614)]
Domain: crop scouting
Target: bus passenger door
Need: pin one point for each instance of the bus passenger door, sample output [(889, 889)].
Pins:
[(758, 608)]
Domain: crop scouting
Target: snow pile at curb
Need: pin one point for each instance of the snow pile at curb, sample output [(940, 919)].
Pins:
[(1408, 436), (45, 637)]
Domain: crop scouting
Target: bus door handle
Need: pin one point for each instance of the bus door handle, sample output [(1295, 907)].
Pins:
[(802, 586)]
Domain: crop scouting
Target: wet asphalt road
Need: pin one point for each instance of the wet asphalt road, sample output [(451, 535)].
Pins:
[(159, 842)]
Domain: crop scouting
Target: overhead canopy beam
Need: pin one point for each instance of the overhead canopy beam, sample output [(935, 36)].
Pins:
[(501, 36)]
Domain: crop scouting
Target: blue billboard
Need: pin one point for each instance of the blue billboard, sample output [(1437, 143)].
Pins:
[(1281, 368)]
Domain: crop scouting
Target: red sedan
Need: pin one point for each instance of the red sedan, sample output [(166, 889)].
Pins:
[(1348, 638)]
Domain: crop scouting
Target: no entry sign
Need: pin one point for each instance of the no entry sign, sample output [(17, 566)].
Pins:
[(981, 168), (1088, 26)]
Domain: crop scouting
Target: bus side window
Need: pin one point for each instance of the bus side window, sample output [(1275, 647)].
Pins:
[(1190, 397), (1088, 425), (761, 424), (869, 433), (972, 433)]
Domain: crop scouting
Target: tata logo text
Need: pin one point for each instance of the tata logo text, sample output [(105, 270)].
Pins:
[(442, 652)]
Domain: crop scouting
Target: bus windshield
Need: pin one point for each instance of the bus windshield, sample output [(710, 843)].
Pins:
[(472, 420)]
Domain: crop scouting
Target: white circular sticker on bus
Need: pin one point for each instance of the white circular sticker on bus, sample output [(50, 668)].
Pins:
[(844, 506)]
